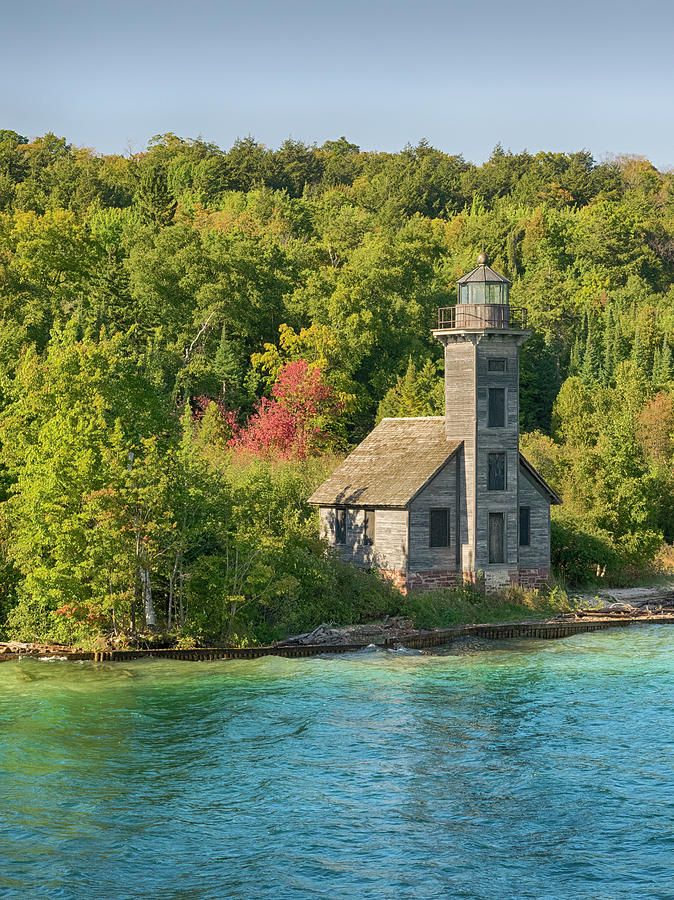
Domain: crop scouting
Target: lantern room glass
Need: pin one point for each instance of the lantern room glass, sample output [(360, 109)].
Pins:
[(483, 292)]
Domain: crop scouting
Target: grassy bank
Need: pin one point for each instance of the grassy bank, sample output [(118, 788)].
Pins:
[(368, 600), (442, 609)]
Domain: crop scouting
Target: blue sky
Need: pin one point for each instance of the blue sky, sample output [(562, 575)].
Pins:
[(535, 75)]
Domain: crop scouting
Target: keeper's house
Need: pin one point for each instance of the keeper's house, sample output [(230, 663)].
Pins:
[(433, 501)]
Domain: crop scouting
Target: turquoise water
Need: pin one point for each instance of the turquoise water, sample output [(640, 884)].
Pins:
[(514, 770)]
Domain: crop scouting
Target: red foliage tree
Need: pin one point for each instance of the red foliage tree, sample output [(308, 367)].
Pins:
[(301, 418)]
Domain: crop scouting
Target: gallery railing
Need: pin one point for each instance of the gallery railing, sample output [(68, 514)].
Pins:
[(481, 316)]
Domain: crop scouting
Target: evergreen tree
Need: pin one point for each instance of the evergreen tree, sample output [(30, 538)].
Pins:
[(666, 360), (153, 199), (538, 383), (579, 346), (608, 361), (229, 369), (419, 392), (617, 342), (590, 369), (575, 358), (638, 355), (662, 364)]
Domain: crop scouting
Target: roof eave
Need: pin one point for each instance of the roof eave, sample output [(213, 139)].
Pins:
[(327, 504), (485, 274), (437, 471), (555, 499)]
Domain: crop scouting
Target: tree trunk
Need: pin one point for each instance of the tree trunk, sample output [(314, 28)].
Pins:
[(134, 602), (148, 606), (172, 581), (181, 578)]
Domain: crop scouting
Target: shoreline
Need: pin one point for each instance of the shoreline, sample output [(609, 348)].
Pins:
[(565, 625)]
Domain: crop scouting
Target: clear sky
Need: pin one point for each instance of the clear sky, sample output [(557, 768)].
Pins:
[(537, 75)]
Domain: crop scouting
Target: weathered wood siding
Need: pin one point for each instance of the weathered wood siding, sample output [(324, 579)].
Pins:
[(537, 554), (502, 439), (440, 492), (389, 550), (482, 315), (460, 425)]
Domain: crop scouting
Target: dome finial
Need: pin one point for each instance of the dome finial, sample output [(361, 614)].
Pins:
[(482, 259)]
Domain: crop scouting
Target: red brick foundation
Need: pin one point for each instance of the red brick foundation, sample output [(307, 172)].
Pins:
[(434, 580), (397, 579), (531, 578)]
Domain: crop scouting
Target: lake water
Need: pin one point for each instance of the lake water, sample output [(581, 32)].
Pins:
[(521, 769)]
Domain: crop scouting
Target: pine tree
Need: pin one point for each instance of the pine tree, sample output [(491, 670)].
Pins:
[(662, 364), (608, 362), (579, 347), (638, 352), (591, 360), (617, 342), (586, 324), (666, 360), (229, 370), (153, 199), (575, 358), (419, 392)]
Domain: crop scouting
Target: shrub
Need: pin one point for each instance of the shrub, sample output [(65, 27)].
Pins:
[(584, 554)]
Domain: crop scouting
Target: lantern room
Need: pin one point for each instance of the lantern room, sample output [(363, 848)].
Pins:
[(483, 302), (482, 286)]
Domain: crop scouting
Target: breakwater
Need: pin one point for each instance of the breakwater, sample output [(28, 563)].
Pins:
[(421, 640)]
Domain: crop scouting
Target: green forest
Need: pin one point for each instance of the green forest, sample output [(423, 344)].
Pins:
[(191, 338)]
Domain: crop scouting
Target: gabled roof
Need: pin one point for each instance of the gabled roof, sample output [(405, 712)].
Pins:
[(540, 482), (391, 466), (482, 273)]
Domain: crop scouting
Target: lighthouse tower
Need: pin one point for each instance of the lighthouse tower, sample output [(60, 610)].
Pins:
[(482, 336)]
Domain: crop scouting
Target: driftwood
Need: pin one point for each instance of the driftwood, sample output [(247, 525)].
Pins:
[(21, 647), (394, 628), (598, 613)]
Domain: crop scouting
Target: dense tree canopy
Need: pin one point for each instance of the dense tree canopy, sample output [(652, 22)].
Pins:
[(136, 289)]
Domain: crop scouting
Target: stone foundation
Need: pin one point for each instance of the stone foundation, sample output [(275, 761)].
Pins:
[(531, 578), (497, 579), (440, 579)]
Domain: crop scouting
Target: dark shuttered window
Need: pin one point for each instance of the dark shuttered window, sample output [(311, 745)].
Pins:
[(496, 542), (525, 526), (368, 526), (496, 474), (496, 417), (497, 365), (340, 526), (439, 528)]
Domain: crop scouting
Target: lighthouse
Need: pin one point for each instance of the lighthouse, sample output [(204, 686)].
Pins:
[(435, 501)]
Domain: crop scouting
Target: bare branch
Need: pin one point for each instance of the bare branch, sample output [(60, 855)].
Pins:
[(189, 350)]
